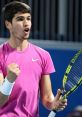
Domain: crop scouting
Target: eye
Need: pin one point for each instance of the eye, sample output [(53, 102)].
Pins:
[(29, 18), (19, 18)]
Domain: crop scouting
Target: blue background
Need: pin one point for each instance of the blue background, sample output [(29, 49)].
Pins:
[(61, 59)]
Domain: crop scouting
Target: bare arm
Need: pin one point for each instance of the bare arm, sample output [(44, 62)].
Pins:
[(46, 91), (48, 99), (13, 72), (3, 98)]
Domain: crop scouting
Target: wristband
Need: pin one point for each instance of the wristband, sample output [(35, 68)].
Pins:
[(6, 87)]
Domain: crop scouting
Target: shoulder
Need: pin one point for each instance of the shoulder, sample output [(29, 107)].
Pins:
[(3, 45), (39, 50), (3, 48)]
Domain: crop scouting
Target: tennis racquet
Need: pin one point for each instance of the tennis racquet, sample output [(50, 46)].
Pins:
[(72, 78)]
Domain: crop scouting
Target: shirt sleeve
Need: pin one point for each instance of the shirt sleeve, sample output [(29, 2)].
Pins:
[(48, 66)]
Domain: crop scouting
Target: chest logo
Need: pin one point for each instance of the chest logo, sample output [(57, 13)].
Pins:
[(34, 59)]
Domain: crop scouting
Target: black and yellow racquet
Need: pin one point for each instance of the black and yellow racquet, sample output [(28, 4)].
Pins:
[(72, 78)]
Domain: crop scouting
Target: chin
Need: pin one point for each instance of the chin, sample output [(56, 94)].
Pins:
[(26, 37)]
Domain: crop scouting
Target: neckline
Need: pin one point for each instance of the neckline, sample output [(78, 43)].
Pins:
[(18, 51)]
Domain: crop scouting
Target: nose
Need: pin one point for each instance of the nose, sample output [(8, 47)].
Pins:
[(25, 23)]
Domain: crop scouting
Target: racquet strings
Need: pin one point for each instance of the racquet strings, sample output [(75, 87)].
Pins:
[(74, 74)]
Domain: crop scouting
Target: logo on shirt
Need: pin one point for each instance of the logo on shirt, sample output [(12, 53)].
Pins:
[(34, 59)]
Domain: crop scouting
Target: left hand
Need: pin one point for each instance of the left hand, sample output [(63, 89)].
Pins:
[(59, 103)]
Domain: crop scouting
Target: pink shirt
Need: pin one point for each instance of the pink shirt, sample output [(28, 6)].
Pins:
[(33, 63)]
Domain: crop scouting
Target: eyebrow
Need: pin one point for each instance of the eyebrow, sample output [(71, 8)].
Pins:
[(22, 17)]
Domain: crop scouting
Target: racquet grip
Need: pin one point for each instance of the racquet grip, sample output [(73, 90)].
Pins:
[(52, 114)]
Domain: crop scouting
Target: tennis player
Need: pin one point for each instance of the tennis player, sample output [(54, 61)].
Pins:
[(24, 68)]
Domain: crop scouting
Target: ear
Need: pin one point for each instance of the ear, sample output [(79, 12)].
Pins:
[(8, 24)]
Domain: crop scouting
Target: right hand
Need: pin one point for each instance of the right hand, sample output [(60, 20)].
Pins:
[(12, 72)]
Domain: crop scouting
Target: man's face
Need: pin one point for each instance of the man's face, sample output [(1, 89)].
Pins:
[(20, 26)]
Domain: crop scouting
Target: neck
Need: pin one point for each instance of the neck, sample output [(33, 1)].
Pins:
[(19, 45)]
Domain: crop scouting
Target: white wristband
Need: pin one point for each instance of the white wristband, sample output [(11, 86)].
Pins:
[(6, 87)]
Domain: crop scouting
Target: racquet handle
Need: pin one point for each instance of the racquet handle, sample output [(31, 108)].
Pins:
[(52, 114)]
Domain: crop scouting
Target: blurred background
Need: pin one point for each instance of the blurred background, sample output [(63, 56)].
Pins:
[(56, 27)]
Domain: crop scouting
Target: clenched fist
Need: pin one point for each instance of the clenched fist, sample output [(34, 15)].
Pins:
[(12, 72)]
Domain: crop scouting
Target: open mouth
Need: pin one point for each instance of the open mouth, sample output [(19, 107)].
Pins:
[(26, 30)]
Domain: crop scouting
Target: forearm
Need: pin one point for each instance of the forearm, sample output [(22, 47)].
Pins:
[(7, 83), (3, 99), (48, 102), (5, 91)]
